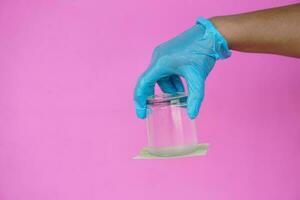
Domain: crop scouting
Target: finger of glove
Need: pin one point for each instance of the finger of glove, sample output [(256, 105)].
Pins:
[(166, 85), (195, 85), (145, 88), (177, 82)]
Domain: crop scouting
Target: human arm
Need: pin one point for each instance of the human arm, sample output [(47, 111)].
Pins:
[(275, 30), (193, 53)]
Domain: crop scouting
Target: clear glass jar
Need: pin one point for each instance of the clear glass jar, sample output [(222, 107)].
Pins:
[(170, 131)]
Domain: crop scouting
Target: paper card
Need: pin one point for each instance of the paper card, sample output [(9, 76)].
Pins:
[(201, 150)]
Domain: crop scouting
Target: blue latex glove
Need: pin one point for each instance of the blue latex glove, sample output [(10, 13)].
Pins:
[(191, 55)]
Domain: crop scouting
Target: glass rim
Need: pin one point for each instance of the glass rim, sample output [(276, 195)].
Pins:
[(166, 98)]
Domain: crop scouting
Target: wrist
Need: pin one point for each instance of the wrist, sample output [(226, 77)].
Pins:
[(229, 28), (220, 48)]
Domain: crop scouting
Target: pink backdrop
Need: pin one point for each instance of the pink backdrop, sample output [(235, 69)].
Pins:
[(68, 130)]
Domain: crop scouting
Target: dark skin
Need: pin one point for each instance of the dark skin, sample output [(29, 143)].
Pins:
[(275, 30)]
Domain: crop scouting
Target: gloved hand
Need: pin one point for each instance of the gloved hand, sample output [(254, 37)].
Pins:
[(191, 55)]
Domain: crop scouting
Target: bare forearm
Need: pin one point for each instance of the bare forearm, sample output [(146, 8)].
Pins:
[(275, 30)]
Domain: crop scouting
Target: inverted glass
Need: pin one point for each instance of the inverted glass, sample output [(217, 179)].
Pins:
[(170, 131)]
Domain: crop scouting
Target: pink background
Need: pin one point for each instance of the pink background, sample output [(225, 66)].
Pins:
[(68, 130)]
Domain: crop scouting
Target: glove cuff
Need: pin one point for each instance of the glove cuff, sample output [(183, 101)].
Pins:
[(221, 50)]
